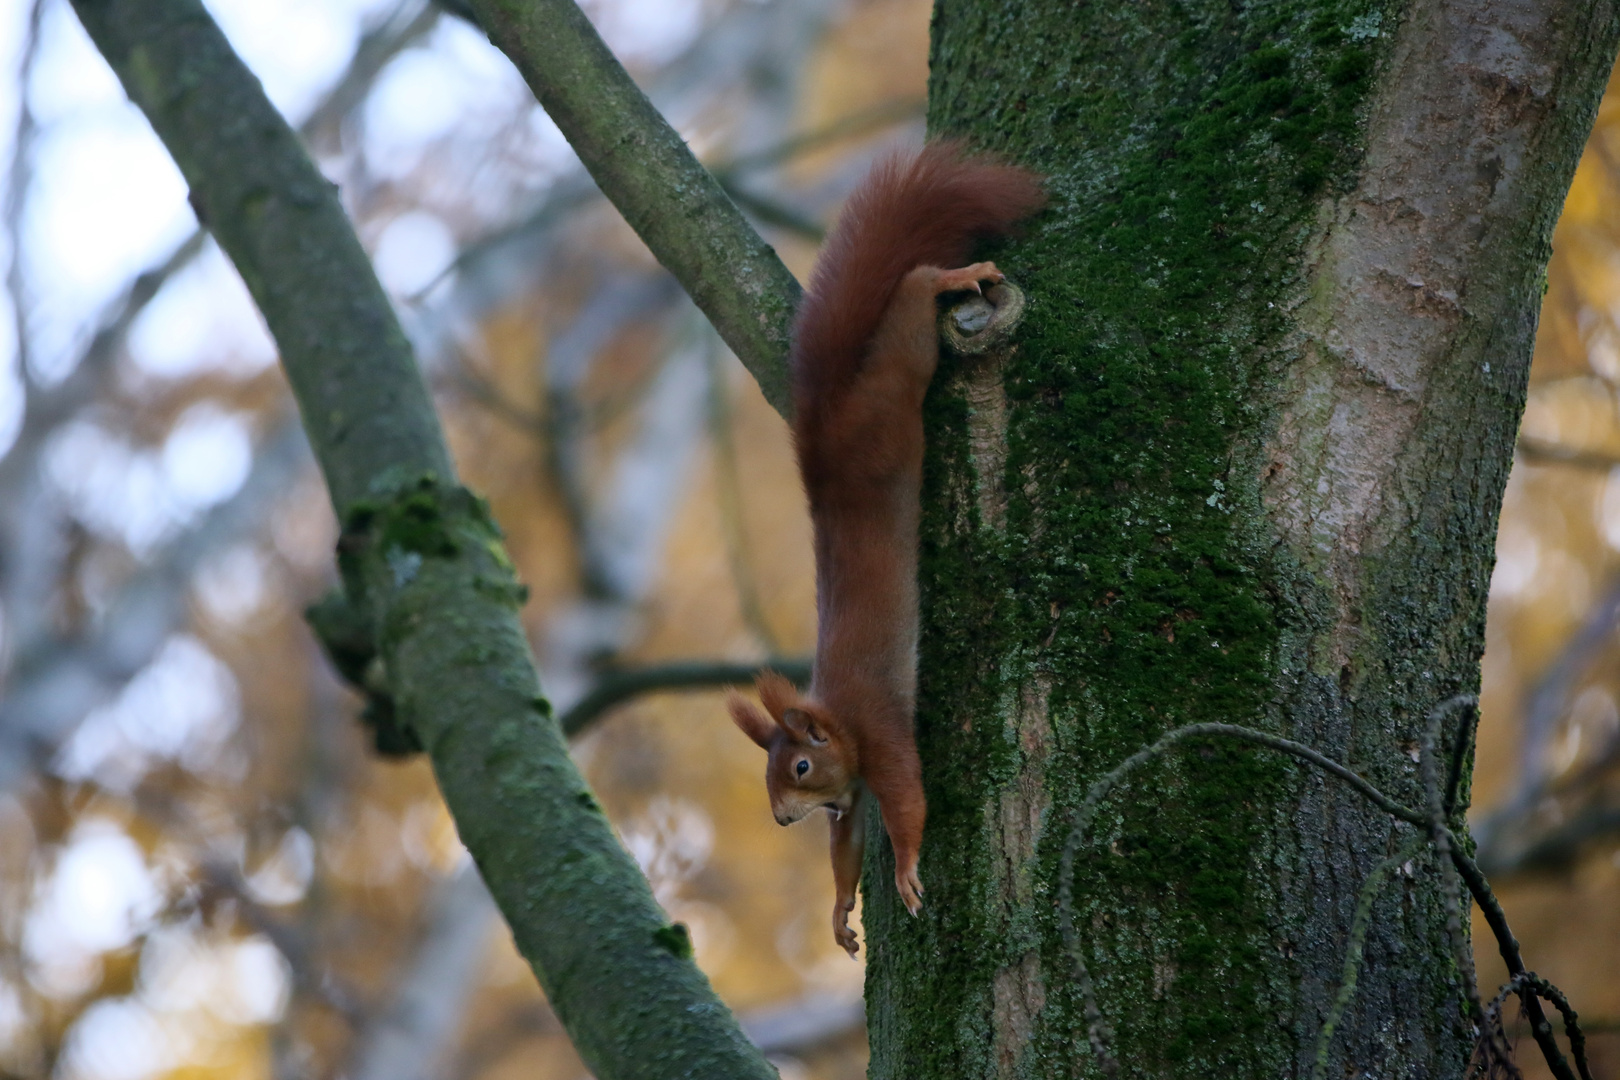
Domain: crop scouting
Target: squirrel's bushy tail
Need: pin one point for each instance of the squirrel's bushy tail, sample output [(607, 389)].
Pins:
[(927, 209)]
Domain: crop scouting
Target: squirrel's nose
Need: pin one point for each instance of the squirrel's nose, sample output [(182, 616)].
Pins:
[(783, 819)]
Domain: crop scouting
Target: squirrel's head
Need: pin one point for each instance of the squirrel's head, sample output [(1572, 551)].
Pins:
[(810, 763)]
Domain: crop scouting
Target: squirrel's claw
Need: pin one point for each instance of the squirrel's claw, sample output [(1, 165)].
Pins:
[(910, 886), (968, 278), (841, 932)]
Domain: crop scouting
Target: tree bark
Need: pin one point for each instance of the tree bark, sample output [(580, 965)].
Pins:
[(1242, 463)]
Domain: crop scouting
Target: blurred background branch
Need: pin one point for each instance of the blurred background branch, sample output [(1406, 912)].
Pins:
[(640, 163)]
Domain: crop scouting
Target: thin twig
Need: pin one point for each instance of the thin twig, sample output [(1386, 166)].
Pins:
[(619, 686), (771, 212), (1451, 894), (1508, 946), (1097, 1027), (1500, 845), (1546, 453), (1572, 1027), (461, 378), (1460, 749), (855, 124), (385, 39), (558, 203), (310, 976)]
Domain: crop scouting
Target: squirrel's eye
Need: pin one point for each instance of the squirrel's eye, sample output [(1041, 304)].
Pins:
[(802, 767)]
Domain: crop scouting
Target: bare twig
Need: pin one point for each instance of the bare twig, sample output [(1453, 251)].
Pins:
[(1551, 847), (462, 379), (1572, 1026), (1498, 833), (1508, 946), (862, 122), (309, 976), (617, 687), (385, 39), (1440, 836), (1546, 453), (432, 991), (568, 195), (56, 681), (770, 211)]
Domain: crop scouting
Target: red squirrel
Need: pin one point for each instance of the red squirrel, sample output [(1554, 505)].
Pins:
[(865, 347)]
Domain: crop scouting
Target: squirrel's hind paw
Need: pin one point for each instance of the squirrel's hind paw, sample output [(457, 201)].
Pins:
[(967, 278), (911, 889), (845, 936)]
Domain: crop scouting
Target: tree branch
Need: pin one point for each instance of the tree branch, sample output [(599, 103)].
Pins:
[(616, 687), (1538, 452), (644, 168), (423, 565)]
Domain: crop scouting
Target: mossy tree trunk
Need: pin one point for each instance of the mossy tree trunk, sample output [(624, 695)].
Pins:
[(1242, 463)]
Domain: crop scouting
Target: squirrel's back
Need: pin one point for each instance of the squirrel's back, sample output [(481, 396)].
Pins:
[(927, 209)]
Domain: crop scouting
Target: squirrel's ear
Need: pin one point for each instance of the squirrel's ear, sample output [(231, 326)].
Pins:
[(802, 724), (754, 724)]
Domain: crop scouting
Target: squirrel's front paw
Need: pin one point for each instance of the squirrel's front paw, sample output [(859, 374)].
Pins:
[(841, 932), (910, 886), (967, 278)]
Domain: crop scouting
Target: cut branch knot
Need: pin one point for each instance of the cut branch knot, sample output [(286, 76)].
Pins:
[(983, 323), (380, 554)]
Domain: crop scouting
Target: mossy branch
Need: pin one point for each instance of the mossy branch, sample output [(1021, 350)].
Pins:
[(423, 567), (644, 168), (1529, 988)]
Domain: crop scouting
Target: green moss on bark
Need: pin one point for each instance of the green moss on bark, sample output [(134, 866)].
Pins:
[(1133, 581)]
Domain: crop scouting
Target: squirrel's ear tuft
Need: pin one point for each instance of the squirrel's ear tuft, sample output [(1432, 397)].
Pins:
[(754, 724), (775, 693)]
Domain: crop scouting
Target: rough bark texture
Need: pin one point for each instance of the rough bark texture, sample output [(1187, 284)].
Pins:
[(1242, 463), (430, 594)]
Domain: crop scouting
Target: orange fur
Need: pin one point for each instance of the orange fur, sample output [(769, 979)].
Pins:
[(865, 349)]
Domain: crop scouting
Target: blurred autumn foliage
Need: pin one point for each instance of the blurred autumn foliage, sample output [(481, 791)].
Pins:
[(1547, 776), (203, 869)]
